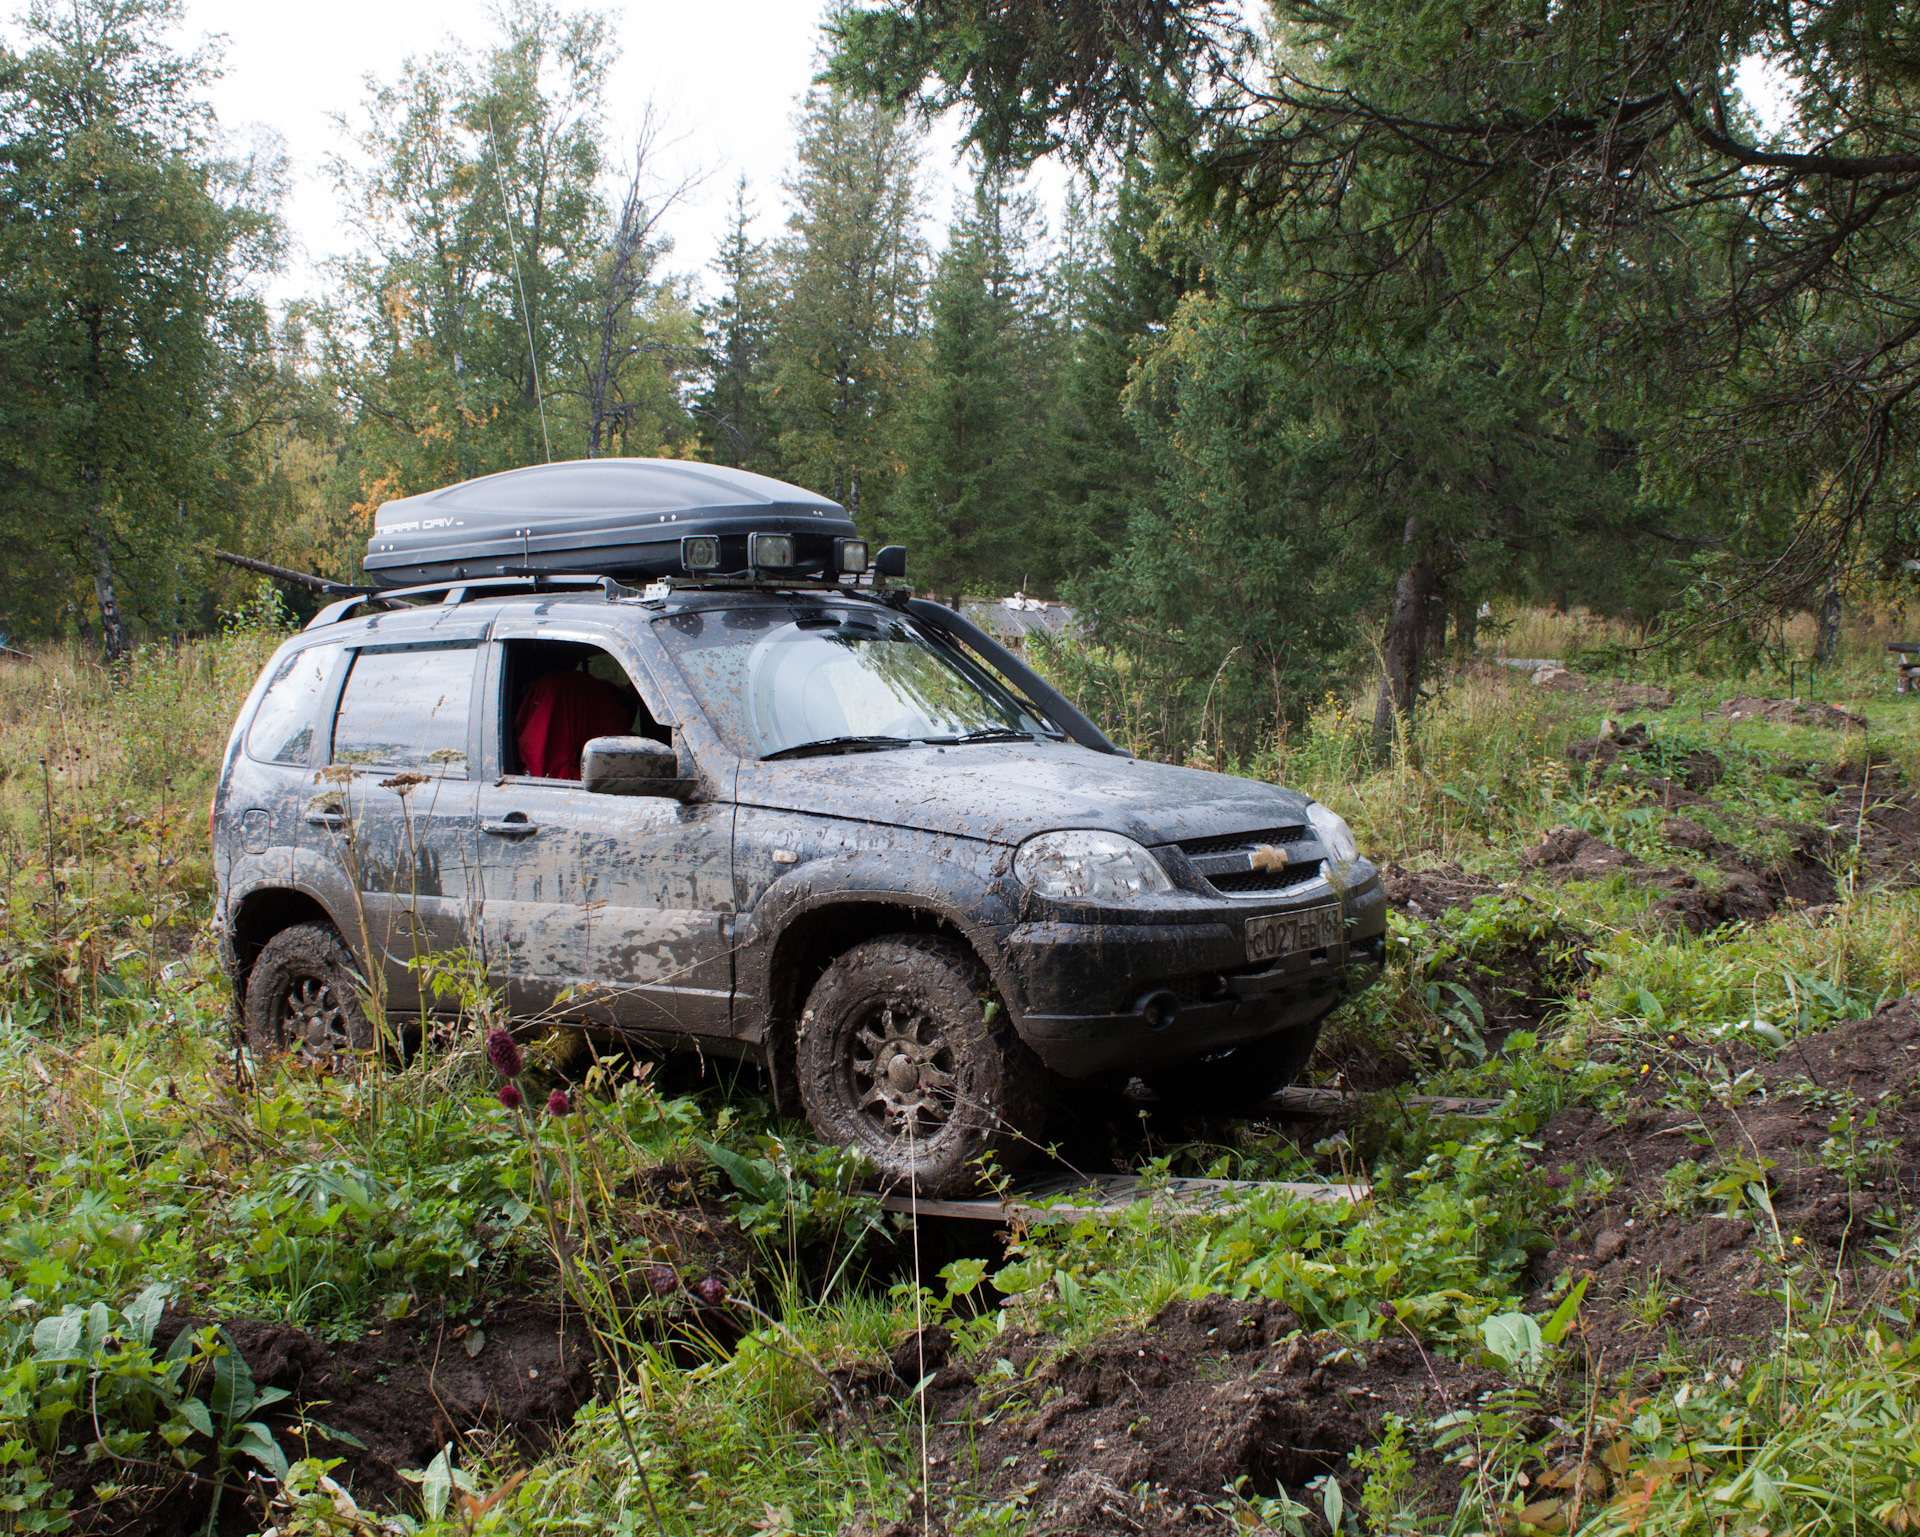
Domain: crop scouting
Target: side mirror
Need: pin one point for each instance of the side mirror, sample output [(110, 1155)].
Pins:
[(633, 765)]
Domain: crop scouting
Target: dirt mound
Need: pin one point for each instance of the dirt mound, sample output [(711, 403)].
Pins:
[(1792, 712), (1698, 770), (1737, 892), (1638, 696), (1884, 818), (1133, 1433), (402, 1391), (1428, 893), (1567, 854), (1679, 1242)]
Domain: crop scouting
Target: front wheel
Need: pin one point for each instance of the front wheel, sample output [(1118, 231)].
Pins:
[(303, 995), (905, 1054)]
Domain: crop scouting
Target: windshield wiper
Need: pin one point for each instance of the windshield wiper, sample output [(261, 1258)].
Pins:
[(832, 744), (986, 734)]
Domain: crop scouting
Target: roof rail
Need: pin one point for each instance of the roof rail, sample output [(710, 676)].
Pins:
[(456, 592)]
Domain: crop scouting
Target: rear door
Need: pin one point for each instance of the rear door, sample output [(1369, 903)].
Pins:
[(394, 807), (609, 908)]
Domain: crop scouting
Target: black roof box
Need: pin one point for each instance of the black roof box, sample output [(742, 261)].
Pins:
[(610, 517)]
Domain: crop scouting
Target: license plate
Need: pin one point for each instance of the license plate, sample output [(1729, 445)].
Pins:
[(1315, 928)]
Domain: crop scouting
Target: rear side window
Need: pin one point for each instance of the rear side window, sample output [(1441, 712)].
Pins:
[(283, 726), (407, 709)]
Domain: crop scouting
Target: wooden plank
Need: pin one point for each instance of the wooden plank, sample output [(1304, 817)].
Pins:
[(1070, 1197), (1334, 1101)]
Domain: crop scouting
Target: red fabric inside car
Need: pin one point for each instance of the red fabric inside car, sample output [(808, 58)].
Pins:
[(562, 712)]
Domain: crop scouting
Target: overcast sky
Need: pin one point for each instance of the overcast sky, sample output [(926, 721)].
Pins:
[(727, 76)]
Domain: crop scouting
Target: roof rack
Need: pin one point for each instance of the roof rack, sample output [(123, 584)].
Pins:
[(456, 591), (460, 590)]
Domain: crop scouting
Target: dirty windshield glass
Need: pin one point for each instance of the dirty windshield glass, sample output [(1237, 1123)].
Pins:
[(776, 681)]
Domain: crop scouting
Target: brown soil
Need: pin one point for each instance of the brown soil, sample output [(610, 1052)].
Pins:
[(1515, 990), (1639, 696), (1698, 770), (1792, 712), (1886, 820), (1428, 893), (402, 1390), (1739, 892), (1138, 1433), (1714, 1269)]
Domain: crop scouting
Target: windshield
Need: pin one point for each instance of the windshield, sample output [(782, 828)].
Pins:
[(774, 679)]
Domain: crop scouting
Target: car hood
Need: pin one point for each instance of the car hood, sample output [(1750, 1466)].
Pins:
[(1007, 792)]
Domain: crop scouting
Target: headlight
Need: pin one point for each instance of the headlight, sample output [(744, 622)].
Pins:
[(1334, 833), (1087, 867)]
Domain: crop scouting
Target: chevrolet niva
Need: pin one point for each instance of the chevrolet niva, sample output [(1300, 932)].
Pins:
[(767, 805)]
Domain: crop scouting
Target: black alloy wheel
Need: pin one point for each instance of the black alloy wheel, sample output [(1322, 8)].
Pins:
[(905, 1054), (303, 995)]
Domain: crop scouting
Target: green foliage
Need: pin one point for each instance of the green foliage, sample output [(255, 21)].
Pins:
[(132, 338), (1448, 1246)]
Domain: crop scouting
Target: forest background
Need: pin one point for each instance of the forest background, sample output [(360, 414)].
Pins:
[(1353, 328)]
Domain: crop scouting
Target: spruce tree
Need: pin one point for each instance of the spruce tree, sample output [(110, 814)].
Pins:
[(737, 330), (846, 342), (975, 454)]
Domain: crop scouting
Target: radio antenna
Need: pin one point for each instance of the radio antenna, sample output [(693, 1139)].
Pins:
[(526, 315)]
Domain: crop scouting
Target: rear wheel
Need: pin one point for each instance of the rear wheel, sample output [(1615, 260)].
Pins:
[(303, 995), (905, 1054), (1240, 1080)]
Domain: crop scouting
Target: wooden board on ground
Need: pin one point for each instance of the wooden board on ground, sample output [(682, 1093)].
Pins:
[(1070, 1197), (1334, 1101)]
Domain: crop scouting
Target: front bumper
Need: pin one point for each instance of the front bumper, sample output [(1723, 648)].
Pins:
[(1102, 997)]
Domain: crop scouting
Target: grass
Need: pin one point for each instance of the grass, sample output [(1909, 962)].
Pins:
[(144, 1152)]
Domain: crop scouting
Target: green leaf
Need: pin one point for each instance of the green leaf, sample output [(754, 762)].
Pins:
[(256, 1440), (195, 1414), (1556, 1327), (233, 1396), (58, 1339), (437, 1484), (143, 1313), (754, 1178), (1516, 1339)]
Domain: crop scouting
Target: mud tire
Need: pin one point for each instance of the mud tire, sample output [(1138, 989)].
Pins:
[(303, 995), (1238, 1081), (966, 1085)]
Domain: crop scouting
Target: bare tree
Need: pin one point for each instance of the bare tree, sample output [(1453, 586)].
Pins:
[(629, 270)]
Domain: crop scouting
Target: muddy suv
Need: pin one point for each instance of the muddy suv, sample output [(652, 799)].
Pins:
[(778, 815)]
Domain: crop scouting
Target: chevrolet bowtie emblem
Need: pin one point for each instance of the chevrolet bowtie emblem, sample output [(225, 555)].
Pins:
[(1267, 857)]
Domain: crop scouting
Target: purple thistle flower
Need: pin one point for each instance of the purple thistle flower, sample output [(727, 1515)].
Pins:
[(503, 1054), (511, 1097), (662, 1280), (558, 1103), (711, 1290)]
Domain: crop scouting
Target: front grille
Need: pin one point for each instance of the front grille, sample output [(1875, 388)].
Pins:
[(1247, 882), (1241, 843)]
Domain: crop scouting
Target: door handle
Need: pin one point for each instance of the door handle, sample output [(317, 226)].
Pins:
[(513, 825), (328, 817)]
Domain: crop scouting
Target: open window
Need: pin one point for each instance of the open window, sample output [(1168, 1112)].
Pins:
[(558, 695)]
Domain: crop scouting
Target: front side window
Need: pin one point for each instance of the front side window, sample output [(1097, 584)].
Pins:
[(407, 709), (283, 726), (775, 681)]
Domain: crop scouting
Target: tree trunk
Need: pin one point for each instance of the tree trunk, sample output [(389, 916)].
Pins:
[(113, 628), (1826, 642), (1406, 640)]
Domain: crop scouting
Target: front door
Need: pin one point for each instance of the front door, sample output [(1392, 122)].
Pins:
[(394, 808), (609, 908)]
